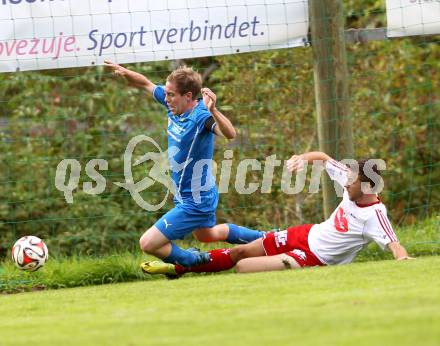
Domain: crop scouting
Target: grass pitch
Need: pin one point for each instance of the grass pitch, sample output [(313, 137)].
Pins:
[(373, 303)]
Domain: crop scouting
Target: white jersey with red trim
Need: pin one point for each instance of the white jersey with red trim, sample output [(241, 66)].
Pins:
[(351, 227)]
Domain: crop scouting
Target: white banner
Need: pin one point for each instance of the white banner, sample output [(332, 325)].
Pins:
[(413, 17), (46, 34)]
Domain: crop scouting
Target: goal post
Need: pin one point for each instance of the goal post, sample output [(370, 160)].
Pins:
[(331, 87)]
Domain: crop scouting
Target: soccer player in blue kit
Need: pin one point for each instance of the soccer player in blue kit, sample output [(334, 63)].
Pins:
[(192, 124)]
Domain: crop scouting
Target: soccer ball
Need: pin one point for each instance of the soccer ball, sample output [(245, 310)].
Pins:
[(29, 253)]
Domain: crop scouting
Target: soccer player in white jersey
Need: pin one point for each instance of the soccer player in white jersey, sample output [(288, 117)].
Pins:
[(359, 219)]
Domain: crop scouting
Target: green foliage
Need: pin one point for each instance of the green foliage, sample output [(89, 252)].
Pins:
[(394, 108), (79, 114), (393, 88), (86, 113), (419, 239), (365, 14)]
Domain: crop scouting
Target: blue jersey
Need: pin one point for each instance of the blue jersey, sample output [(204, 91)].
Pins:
[(190, 152)]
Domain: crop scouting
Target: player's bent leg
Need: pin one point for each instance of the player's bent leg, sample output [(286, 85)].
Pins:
[(212, 234), (230, 233), (253, 249), (155, 243), (176, 257), (220, 260), (266, 263), (242, 235)]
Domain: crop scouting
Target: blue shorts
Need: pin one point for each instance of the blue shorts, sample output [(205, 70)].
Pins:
[(179, 222)]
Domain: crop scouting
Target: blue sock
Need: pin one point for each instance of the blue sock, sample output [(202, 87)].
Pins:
[(183, 257), (242, 235)]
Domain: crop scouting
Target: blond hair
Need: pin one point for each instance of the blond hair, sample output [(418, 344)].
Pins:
[(186, 80)]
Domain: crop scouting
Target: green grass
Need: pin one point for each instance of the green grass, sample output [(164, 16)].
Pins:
[(374, 303), (73, 272), (422, 239)]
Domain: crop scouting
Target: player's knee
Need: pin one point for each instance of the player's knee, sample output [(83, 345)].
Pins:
[(211, 234), (239, 252), (146, 245)]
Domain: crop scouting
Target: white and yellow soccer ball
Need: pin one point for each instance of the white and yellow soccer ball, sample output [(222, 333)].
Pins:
[(29, 253)]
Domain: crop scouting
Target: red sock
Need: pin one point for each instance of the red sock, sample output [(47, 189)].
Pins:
[(220, 260)]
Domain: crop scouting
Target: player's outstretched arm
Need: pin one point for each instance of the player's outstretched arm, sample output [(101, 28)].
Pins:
[(399, 252), (224, 126), (135, 79), (296, 162)]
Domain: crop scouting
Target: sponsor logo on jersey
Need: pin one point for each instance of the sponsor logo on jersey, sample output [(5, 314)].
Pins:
[(341, 222), (281, 238), (301, 254), (176, 129)]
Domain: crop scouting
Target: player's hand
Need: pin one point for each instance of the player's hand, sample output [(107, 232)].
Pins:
[(295, 163), (118, 70), (209, 99)]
